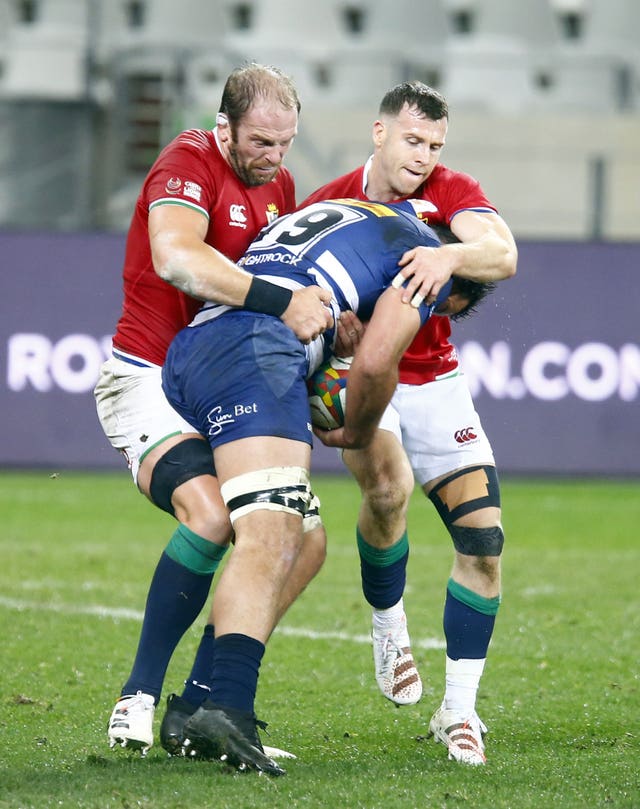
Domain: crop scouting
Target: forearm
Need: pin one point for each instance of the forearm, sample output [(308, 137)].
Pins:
[(368, 394), (373, 376), (489, 258)]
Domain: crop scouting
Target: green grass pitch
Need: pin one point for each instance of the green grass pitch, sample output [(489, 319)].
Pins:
[(560, 693)]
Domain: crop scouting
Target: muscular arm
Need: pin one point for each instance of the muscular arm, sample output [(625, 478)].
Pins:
[(373, 376), (182, 258), (487, 252)]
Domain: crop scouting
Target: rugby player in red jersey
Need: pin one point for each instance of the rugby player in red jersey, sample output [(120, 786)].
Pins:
[(431, 429), (205, 198)]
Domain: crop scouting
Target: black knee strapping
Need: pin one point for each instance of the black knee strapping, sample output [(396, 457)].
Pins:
[(477, 541), (188, 459), (485, 488), (289, 498)]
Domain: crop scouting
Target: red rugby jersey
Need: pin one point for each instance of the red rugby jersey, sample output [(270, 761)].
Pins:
[(189, 171), (430, 356)]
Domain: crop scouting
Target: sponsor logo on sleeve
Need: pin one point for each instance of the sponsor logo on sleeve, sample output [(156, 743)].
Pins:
[(173, 186), (192, 190)]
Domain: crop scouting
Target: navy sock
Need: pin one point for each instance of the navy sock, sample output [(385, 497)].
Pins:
[(197, 686), (383, 572), (236, 661), (176, 597), (468, 625)]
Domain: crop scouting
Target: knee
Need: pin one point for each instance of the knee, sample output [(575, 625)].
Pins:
[(199, 506), (482, 571), (214, 525), (478, 541), (386, 497)]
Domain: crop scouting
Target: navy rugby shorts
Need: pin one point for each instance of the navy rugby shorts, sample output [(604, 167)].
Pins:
[(239, 375)]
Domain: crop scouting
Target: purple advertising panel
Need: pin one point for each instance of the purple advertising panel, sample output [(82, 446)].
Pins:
[(553, 361), (552, 357)]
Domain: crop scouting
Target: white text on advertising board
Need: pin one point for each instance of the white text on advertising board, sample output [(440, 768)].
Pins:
[(548, 370), (552, 370)]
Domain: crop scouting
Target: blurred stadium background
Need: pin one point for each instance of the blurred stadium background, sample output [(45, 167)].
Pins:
[(545, 112)]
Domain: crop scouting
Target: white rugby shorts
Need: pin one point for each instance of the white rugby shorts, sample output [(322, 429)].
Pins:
[(438, 427), (133, 410)]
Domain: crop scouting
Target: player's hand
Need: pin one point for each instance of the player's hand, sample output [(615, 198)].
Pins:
[(336, 438), (348, 334), (308, 314), (428, 270)]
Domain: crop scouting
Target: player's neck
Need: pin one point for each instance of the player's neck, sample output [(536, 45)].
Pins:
[(380, 192), (377, 188)]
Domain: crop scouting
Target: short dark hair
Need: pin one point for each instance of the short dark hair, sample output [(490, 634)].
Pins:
[(473, 291), (251, 81), (415, 94)]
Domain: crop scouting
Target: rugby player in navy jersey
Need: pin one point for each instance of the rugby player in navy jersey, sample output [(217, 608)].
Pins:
[(239, 378)]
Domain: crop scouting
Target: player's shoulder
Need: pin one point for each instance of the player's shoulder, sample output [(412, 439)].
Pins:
[(444, 176), (196, 139), (189, 147), (347, 185)]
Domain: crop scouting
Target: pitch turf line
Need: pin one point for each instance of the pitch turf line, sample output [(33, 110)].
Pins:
[(136, 615)]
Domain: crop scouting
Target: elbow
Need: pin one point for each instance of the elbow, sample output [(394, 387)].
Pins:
[(509, 259), (162, 263), (170, 259), (163, 271), (173, 272), (170, 274)]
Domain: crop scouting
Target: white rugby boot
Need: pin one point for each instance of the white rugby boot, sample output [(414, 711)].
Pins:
[(131, 722), (461, 735), (396, 672)]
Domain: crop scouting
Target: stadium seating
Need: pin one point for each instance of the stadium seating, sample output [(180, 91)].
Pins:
[(413, 36), (282, 27), (157, 65), (583, 82), (613, 26), (44, 56), (484, 76)]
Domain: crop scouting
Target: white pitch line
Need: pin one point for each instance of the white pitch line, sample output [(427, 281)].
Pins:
[(71, 609), (300, 632), (137, 615)]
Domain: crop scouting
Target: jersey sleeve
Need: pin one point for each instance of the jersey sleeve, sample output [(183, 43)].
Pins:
[(182, 174), (455, 191)]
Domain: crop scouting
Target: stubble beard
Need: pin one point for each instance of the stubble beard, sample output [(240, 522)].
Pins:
[(248, 176)]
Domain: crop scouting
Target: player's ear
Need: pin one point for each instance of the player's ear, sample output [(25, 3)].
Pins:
[(378, 133), (224, 130)]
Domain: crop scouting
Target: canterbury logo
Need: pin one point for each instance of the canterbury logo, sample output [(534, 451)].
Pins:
[(462, 436), (237, 214)]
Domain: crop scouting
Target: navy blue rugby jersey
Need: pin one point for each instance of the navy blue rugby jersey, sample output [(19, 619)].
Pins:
[(350, 247)]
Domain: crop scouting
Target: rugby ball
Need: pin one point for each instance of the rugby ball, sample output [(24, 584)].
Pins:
[(328, 393)]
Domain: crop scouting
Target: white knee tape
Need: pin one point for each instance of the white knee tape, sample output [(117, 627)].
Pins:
[(278, 488), (312, 518)]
